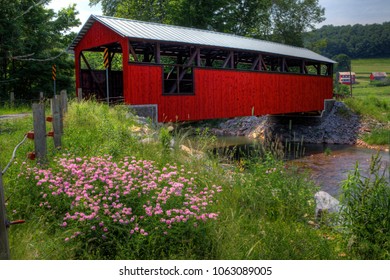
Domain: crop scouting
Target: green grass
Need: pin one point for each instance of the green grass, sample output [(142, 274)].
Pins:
[(368, 65), (363, 69), (378, 137), (7, 109), (369, 100), (265, 209)]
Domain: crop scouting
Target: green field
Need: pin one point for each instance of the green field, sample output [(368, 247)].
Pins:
[(368, 65), (370, 100), (363, 69)]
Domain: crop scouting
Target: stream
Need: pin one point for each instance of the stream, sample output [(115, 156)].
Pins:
[(328, 165), (329, 171)]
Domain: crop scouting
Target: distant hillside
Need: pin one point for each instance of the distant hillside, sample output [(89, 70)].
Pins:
[(357, 41)]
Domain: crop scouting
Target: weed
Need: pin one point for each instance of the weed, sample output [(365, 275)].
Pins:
[(366, 213), (327, 151), (165, 138)]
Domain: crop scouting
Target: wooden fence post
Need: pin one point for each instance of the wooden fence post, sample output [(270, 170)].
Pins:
[(55, 110), (60, 112), (79, 94), (64, 101), (41, 96), (39, 132), (12, 98), (4, 245)]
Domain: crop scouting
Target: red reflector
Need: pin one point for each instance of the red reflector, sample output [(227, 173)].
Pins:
[(30, 135), (31, 155)]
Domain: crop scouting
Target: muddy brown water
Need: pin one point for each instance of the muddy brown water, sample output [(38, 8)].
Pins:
[(329, 170), (328, 165)]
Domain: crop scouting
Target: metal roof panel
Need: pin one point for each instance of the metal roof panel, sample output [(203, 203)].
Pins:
[(134, 29)]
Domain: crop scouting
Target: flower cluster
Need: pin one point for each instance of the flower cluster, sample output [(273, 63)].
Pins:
[(100, 195)]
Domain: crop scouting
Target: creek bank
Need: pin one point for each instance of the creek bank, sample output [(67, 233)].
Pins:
[(337, 126)]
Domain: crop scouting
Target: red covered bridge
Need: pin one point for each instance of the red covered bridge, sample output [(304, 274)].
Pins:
[(192, 74)]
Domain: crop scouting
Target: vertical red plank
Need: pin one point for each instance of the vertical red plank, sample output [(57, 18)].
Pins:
[(227, 93)]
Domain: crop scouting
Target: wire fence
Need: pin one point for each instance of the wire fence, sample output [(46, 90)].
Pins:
[(13, 155), (59, 106)]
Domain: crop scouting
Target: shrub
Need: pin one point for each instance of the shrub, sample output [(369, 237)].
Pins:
[(366, 212), (165, 138), (382, 83), (343, 90)]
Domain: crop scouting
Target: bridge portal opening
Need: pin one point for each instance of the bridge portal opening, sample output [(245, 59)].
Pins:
[(93, 74)]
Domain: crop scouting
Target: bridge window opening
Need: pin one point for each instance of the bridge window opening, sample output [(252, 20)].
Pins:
[(293, 66), (179, 60), (246, 61), (319, 69), (311, 69), (178, 64)]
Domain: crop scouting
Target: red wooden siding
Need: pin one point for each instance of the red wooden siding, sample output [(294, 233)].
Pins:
[(227, 93), (98, 35)]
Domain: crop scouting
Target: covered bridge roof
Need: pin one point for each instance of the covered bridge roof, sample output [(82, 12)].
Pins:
[(134, 29)]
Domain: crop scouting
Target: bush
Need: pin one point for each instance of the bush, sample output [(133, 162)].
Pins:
[(342, 90), (382, 83), (366, 212)]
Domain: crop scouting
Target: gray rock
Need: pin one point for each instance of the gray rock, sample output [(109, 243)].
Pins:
[(147, 140), (339, 126), (326, 203)]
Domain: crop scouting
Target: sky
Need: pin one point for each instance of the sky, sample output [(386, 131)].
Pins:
[(336, 12)]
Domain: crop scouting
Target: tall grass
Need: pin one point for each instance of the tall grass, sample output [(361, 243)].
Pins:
[(265, 215), (371, 106), (366, 212), (263, 210)]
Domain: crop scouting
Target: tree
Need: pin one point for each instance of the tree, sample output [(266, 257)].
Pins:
[(343, 62), (244, 17), (291, 18), (357, 41), (32, 38), (149, 10), (109, 7)]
